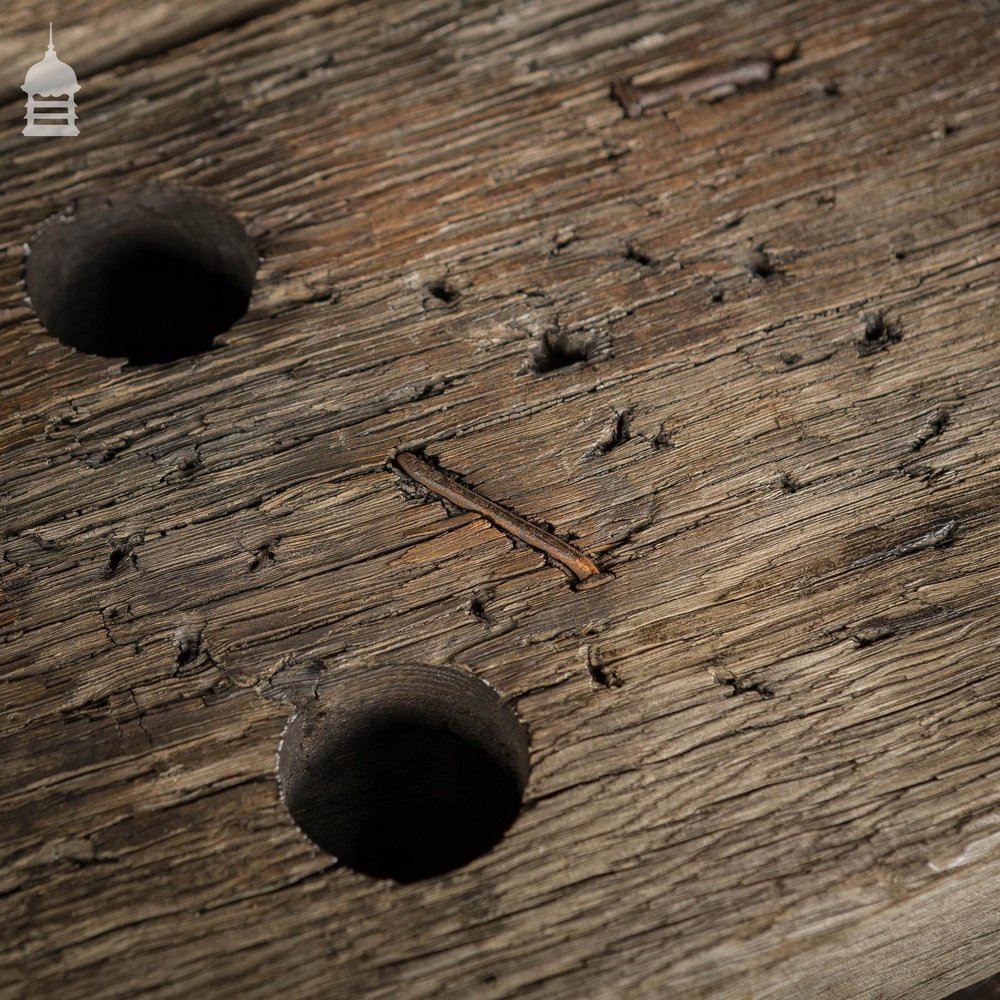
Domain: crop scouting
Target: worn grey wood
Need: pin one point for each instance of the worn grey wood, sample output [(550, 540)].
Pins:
[(764, 754)]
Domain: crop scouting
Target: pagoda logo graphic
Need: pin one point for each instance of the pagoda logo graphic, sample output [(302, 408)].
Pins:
[(51, 78)]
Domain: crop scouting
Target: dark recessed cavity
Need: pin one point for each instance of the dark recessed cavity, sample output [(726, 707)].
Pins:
[(788, 484), (637, 253), (443, 292), (557, 349), (879, 333), (760, 264), (152, 276), (405, 772)]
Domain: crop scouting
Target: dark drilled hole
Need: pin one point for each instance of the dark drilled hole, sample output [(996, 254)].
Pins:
[(405, 772), (152, 276)]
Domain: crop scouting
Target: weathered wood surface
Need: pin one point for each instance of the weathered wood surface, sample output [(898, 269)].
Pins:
[(764, 754)]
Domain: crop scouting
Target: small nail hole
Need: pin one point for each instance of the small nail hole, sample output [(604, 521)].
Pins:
[(788, 484), (405, 772), (635, 252), (478, 606), (663, 440), (562, 239), (879, 333), (558, 349), (188, 646), (152, 276), (443, 292), (760, 265)]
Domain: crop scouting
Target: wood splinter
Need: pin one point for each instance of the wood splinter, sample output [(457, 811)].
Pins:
[(442, 485), (709, 83)]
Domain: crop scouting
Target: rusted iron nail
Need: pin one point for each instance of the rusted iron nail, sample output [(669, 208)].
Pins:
[(582, 567)]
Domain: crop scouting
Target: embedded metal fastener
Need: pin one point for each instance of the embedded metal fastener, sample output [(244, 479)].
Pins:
[(444, 486)]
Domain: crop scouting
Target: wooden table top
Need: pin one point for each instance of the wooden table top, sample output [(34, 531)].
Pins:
[(706, 292)]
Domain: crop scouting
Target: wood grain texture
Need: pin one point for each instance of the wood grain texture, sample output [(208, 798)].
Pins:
[(764, 757)]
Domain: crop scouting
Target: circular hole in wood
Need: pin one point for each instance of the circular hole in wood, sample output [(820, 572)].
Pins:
[(405, 772), (151, 276)]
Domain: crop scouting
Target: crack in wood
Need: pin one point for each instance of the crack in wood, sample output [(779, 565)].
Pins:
[(617, 434), (937, 537), (935, 426)]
